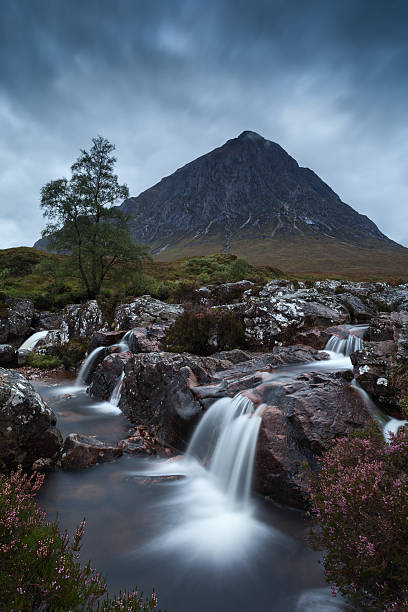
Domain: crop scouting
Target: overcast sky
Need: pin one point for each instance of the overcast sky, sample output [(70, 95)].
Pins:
[(169, 80)]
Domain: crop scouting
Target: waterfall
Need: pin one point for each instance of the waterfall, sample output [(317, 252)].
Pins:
[(225, 441), (87, 366), (30, 343), (350, 344), (387, 424), (116, 393)]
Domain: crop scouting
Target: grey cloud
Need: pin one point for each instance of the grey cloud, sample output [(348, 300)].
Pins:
[(168, 81)]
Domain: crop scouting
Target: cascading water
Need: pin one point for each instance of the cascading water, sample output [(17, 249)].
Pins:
[(116, 393), (225, 441), (87, 366), (30, 343), (349, 344)]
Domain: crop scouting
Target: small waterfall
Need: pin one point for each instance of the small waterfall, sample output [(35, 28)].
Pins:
[(30, 343), (87, 366), (350, 344), (116, 393), (225, 441), (387, 424)]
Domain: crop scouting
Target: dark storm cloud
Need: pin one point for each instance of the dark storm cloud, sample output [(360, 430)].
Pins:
[(168, 81)]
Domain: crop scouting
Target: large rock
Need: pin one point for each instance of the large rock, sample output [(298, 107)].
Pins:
[(21, 314), (302, 419), (170, 391), (144, 311), (8, 356), (47, 320), (381, 367), (82, 451), (278, 314), (227, 293), (80, 320), (106, 374), (27, 424), (104, 338)]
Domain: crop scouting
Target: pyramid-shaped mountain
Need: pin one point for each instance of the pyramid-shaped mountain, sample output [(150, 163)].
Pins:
[(251, 198)]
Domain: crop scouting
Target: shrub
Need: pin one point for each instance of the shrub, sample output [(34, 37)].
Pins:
[(205, 331), (39, 565), (360, 500), (44, 362)]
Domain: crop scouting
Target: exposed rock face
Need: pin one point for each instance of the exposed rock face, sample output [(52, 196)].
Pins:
[(381, 368), (145, 311), (20, 318), (216, 295), (8, 356), (81, 451), (281, 311), (169, 391), (27, 424), (106, 374), (80, 320), (247, 188), (303, 418)]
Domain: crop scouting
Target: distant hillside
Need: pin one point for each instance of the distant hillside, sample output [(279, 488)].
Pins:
[(250, 198)]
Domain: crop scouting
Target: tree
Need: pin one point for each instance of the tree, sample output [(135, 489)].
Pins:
[(83, 221)]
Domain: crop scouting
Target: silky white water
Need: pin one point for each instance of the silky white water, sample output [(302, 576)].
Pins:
[(30, 343), (346, 346), (87, 366)]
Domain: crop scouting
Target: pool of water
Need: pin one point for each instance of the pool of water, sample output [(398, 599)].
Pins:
[(179, 535)]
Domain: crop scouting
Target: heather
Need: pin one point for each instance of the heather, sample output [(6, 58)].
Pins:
[(360, 502), (40, 566)]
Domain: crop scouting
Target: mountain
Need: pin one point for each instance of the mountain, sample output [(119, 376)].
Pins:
[(251, 198)]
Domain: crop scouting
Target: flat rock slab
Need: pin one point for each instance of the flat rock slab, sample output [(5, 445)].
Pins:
[(82, 451)]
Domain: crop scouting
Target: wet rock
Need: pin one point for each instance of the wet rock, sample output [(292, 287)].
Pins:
[(316, 338), (8, 356), (27, 424), (142, 340), (144, 311), (22, 357), (168, 391), (381, 368), (360, 312), (303, 417), (80, 320), (43, 465), (82, 451), (105, 375), (104, 338)]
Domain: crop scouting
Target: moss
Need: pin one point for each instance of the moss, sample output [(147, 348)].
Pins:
[(44, 362)]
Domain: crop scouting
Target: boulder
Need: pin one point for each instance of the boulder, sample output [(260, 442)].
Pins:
[(170, 391), (146, 339), (381, 367), (20, 317), (105, 375), (8, 356), (303, 417), (144, 311), (80, 320), (82, 451), (27, 424)]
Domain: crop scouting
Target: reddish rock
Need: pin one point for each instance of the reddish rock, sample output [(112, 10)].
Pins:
[(81, 451), (303, 417), (106, 374)]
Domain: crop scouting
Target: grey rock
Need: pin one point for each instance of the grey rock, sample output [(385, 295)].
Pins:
[(81, 320), (8, 356), (145, 311), (27, 424)]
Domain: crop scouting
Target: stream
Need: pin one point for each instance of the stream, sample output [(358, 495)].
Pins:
[(196, 535)]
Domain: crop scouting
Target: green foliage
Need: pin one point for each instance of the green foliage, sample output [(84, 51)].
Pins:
[(220, 268), (359, 500), (44, 362), (40, 567), (204, 331), (84, 222)]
